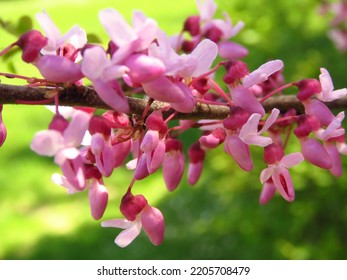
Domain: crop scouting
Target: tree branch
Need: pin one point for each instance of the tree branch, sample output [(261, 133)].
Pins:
[(87, 97)]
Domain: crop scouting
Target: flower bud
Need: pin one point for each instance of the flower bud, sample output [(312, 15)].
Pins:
[(31, 44), (236, 70), (273, 153), (132, 205), (306, 125), (308, 88), (192, 25)]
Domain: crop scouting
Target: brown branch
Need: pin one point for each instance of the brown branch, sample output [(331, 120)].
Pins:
[(87, 97)]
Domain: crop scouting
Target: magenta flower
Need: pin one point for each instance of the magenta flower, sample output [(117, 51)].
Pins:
[(76, 36), (249, 133), (328, 93), (63, 146), (277, 171), (139, 214), (98, 198), (103, 74), (262, 73), (333, 130), (173, 164), (130, 39)]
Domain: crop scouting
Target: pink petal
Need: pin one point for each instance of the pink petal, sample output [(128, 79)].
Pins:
[(231, 50), (73, 170), (315, 153), (262, 73), (326, 84), (283, 183), (113, 22), (141, 170), (63, 182), (155, 158), (58, 69), (94, 62), (292, 159), (98, 199), (251, 126), (121, 151), (163, 89), (74, 133), (207, 9), (267, 192), (337, 168), (117, 223), (188, 104), (128, 235), (244, 98), (150, 141), (47, 142), (153, 224), (51, 30), (266, 174), (320, 111), (173, 168), (270, 120), (146, 34), (334, 128), (194, 172), (112, 95), (239, 151), (204, 54)]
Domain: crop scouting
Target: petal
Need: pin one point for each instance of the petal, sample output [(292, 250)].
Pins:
[(257, 140), (194, 172), (113, 22), (315, 153), (63, 182), (292, 159), (320, 111), (251, 126), (337, 168), (283, 183), (244, 98), (128, 235), (207, 9), (173, 168), (74, 133), (326, 84), (204, 53), (266, 174), (94, 62), (58, 69), (262, 73), (150, 141), (239, 151), (270, 120), (155, 158), (47, 142), (98, 199), (51, 30), (153, 224), (112, 95), (117, 223), (267, 192), (231, 50)]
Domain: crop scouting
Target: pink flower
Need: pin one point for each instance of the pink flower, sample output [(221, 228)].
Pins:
[(249, 133), (244, 98), (262, 73), (141, 215), (328, 93), (103, 74), (76, 36), (98, 199), (278, 173), (173, 164), (63, 145), (130, 39)]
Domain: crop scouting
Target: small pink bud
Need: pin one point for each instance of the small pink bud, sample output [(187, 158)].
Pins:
[(116, 119), (188, 46), (308, 88), (132, 205), (273, 153), (192, 25), (236, 119), (31, 43), (196, 159), (306, 125)]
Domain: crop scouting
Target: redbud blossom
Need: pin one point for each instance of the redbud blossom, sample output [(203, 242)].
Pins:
[(196, 160)]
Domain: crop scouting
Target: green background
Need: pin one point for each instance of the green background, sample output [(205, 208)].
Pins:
[(219, 218)]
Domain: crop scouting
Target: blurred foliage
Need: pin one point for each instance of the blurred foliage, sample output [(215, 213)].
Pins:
[(220, 218)]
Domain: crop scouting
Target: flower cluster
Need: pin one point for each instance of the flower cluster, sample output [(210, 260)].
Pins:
[(178, 70), (338, 24)]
